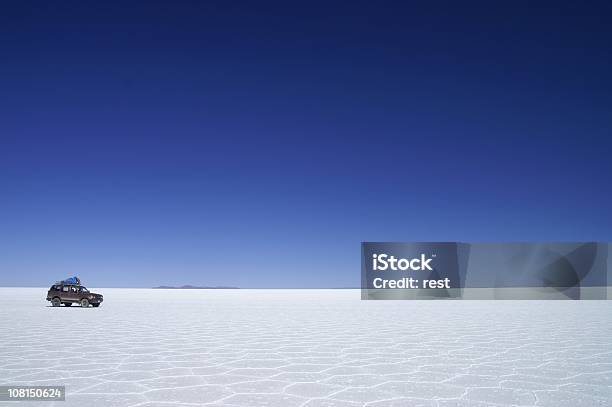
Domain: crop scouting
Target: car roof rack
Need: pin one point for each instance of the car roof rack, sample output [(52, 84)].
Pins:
[(64, 283)]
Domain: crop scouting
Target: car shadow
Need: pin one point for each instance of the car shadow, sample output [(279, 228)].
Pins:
[(73, 307)]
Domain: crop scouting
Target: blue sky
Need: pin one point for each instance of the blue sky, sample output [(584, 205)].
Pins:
[(258, 144)]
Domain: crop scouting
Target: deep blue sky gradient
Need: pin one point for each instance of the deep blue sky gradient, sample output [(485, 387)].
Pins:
[(257, 144)]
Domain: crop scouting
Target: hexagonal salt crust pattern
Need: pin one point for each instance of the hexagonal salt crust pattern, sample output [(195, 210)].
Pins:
[(310, 348)]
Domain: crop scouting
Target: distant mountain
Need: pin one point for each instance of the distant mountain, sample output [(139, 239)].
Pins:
[(193, 287)]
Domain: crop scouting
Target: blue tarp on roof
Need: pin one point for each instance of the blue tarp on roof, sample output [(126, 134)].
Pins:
[(72, 280)]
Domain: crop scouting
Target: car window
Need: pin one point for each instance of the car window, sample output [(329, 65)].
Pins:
[(73, 289), (65, 289)]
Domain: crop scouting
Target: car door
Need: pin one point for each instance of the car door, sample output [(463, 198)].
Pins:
[(69, 293), (83, 293)]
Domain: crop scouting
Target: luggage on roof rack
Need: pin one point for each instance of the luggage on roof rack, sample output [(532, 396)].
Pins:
[(72, 280)]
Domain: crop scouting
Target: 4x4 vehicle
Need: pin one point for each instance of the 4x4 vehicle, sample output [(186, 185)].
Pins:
[(69, 294)]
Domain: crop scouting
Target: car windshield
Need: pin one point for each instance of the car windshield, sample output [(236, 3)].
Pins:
[(84, 290)]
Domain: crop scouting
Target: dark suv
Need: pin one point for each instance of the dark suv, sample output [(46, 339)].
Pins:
[(69, 294)]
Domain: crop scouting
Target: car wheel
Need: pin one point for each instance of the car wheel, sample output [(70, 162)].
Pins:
[(95, 305), (56, 302), (84, 303), (68, 304)]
